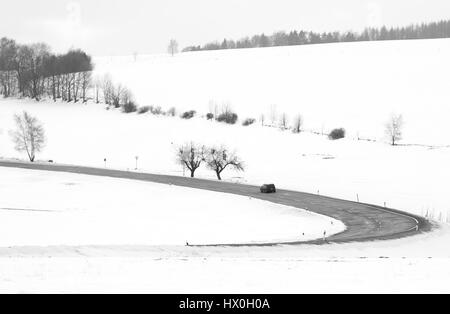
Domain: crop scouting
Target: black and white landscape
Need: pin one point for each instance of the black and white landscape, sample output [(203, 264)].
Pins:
[(133, 147)]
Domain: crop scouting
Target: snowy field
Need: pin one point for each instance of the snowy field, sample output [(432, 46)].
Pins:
[(351, 85), (69, 209), (68, 233), (413, 179), (219, 275), (412, 265), (356, 86)]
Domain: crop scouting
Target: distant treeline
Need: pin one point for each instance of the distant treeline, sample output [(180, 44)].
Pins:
[(34, 71), (294, 38)]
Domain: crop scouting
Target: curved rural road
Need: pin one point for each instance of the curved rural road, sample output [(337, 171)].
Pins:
[(364, 222)]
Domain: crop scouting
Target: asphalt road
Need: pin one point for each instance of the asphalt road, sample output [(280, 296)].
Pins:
[(364, 222)]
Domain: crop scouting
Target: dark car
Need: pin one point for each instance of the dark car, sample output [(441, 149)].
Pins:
[(268, 188)]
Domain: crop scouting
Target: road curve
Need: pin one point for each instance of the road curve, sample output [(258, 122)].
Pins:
[(364, 222)]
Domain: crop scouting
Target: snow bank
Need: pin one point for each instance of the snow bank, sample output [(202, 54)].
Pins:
[(43, 209)]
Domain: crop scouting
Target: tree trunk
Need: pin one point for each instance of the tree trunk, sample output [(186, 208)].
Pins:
[(218, 175), (54, 88), (192, 173)]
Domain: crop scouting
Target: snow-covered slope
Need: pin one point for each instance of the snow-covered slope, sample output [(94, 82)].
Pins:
[(355, 86), (69, 209), (351, 85), (408, 178)]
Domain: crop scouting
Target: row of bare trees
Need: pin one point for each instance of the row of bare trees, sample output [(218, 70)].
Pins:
[(29, 137), (34, 71), (283, 121), (393, 126), (115, 95), (217, 159)]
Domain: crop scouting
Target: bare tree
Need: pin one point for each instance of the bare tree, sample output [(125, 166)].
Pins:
[(108, 90), (97, 87), (226, 108), (284, 121), (394, 129), (125, 96), (298, 124), (219, 159), (86, 84), (273, 114), (29, 135), (173, 47), (8, 60), (213, 108), (191, 156), (262, 118), (117, 94)]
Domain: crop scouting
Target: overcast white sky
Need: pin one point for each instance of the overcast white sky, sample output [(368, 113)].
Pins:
[(114, 27)]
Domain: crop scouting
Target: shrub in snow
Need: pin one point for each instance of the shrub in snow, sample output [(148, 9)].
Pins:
[(284, 121), (298, 123), (228, 117), (144, 109), (337, 134), (210, 116), (129, 107), (188, 115), (172, 112), (157, 111), (248, 122)]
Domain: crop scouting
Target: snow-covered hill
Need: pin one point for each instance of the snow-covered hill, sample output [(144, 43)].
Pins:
[(351, 85), (356, 86), (408, 178)]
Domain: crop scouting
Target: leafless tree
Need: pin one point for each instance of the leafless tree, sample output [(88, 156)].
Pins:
[(273, 114), (284, 121), (86, 84), (77, 81), (394, 129), (97, 87), (219, 159), (8, 61), (108, 90), (125, 96), (298, 124), (173, 47), (191, 156), (117, 95), (214, 108), (29, 135), (226, 108)]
